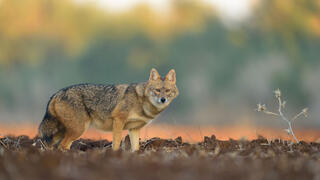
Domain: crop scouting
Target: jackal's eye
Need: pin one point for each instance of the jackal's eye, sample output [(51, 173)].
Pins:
[(158, 90), (168, 90)]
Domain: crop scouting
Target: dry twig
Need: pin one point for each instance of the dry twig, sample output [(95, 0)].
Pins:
[(3, 144), (289, 130)]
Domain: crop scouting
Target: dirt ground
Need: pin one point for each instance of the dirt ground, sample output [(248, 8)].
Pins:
[(24, 158)]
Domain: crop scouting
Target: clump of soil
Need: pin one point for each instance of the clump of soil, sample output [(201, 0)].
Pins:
[(25, 158)]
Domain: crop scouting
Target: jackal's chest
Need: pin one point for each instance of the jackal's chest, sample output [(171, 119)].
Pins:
[(136, 121)]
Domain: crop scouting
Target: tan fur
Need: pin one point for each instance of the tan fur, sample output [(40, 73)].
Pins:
[(107, 107)]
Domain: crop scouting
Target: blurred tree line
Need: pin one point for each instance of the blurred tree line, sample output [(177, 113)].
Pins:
[(46, 45)]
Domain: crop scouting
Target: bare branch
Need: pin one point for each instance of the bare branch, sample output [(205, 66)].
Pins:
[(4, 145), (296, 116), (289, 130), (286, 119), (42, 144), (271, 113)]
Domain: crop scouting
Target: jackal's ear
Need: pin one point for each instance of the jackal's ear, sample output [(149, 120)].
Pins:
[(171, 76), (154, 75)]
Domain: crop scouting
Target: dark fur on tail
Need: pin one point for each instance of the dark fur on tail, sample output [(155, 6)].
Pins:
[(51, 131)]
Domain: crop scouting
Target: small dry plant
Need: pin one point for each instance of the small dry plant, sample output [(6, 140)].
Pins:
[(282, 104)]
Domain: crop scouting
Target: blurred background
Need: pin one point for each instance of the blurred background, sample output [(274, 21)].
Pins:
[(228, 55)]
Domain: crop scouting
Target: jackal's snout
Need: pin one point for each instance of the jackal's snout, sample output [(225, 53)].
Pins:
[(161, 100)]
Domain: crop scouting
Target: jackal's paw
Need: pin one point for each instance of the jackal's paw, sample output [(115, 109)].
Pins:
[(63, 149)]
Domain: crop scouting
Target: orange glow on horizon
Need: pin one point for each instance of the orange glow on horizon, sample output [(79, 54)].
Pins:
[(189, 133)]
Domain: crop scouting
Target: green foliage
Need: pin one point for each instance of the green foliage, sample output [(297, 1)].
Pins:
[(51, 44)]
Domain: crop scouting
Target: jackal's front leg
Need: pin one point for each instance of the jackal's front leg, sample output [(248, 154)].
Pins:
[(134, 139), (117, 134)]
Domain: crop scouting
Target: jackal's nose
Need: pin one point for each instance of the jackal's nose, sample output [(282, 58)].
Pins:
[(163, 100)]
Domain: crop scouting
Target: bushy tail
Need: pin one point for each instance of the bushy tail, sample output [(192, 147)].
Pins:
[(51, 131)]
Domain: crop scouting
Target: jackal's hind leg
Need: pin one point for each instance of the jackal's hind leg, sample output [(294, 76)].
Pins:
[(67, 140), (73, 133)]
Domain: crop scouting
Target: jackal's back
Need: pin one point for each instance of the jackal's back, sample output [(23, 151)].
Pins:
[(92, 98)]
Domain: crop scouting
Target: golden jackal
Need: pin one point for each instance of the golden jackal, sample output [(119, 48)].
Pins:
[(114, 108)]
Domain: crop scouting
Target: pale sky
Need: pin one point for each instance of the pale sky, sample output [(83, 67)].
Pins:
[(228, 9)]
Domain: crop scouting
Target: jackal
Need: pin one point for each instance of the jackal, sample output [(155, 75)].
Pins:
[(114, 108)]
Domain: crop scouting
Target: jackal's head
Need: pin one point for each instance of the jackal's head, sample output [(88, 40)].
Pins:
[(161, 91)]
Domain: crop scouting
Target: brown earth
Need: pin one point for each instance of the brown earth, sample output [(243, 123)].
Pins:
[(24, 158)]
